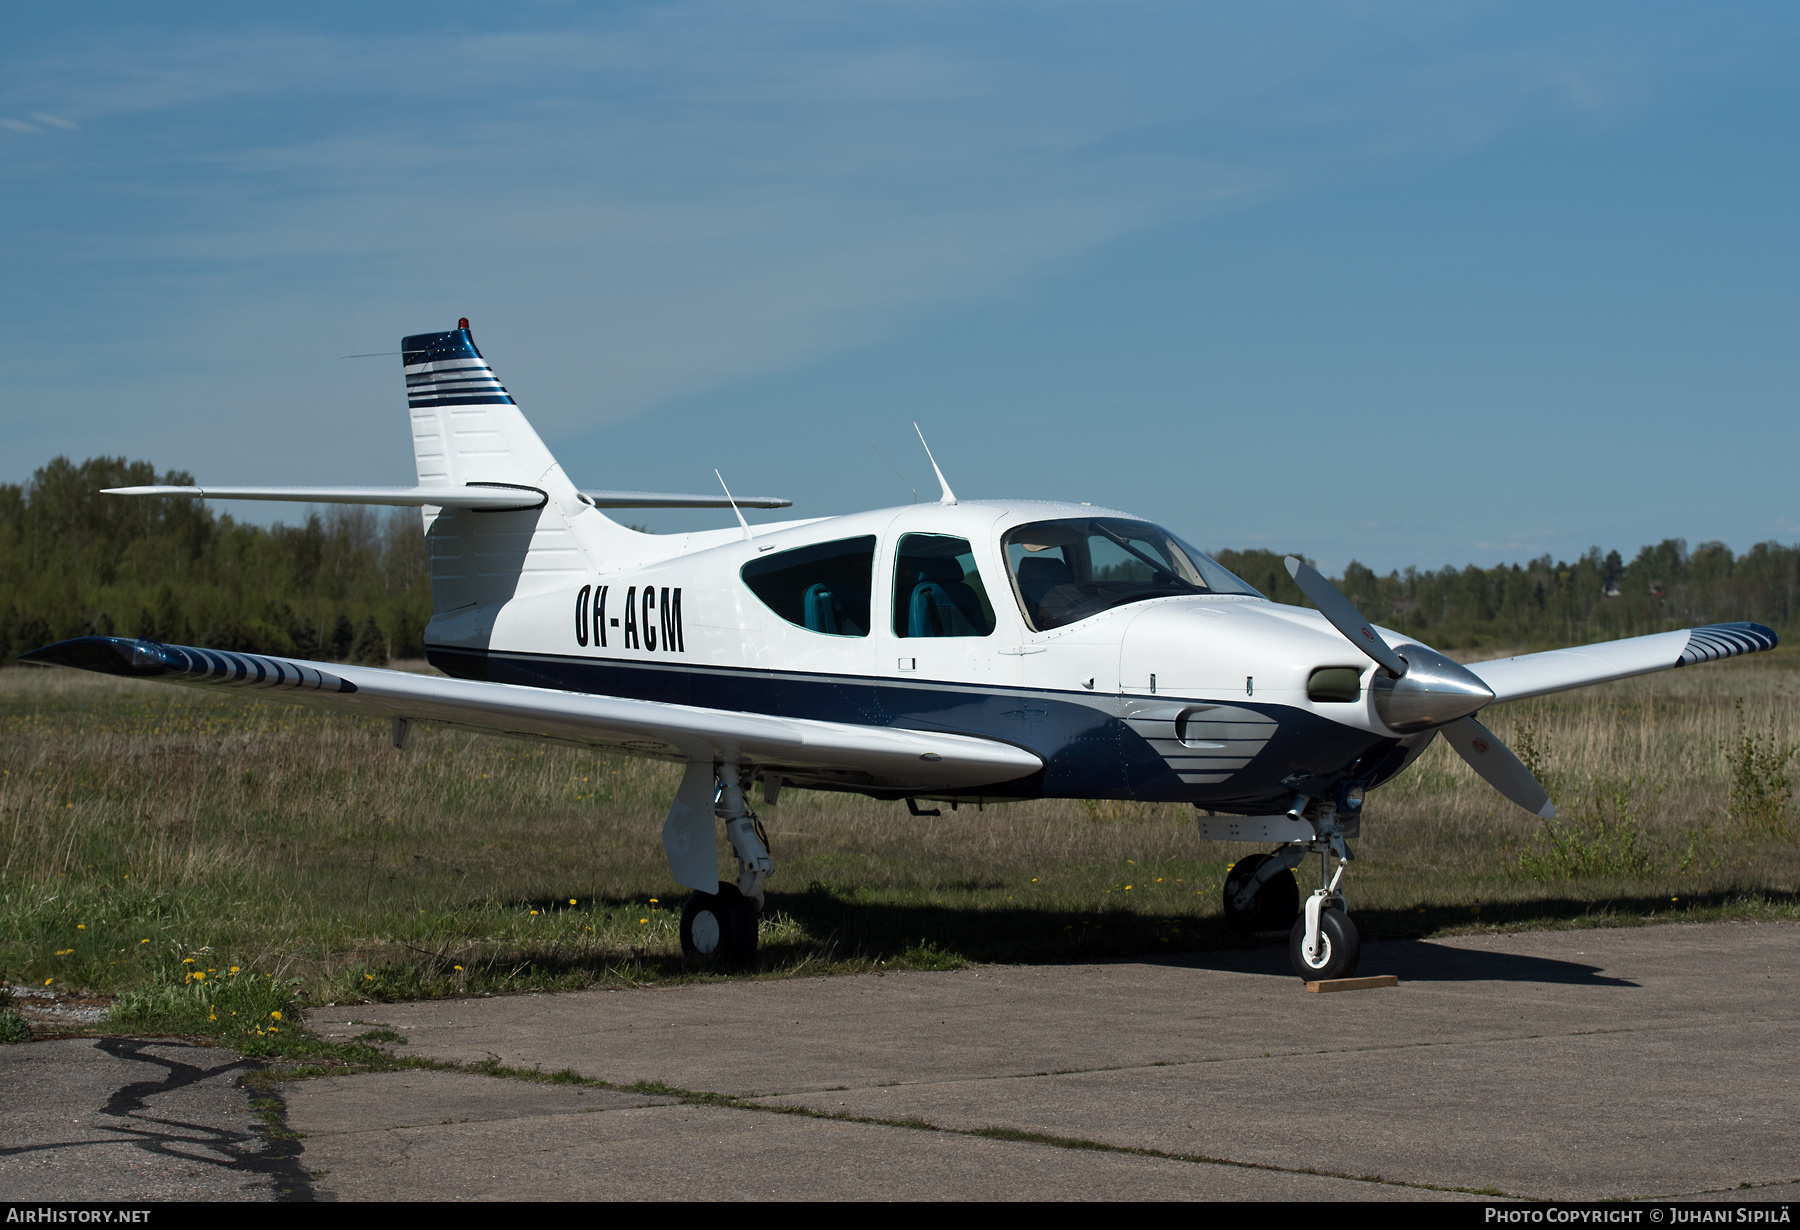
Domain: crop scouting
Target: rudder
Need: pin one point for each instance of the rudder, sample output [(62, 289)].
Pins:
[(467, 430)]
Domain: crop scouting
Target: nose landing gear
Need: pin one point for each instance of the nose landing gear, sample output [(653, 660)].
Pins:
[(1324, 943), (1262, 895)]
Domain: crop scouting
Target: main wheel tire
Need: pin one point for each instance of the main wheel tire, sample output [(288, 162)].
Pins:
[(1277, 901), (1340, 948), (719, 927)]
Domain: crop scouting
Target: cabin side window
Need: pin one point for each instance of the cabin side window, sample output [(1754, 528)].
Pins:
[(938, 590), (822, 588)]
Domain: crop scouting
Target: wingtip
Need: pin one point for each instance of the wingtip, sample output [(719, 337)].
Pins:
[(1548, 810)]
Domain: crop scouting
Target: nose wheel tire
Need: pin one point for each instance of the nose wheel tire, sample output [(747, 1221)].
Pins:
[(1340, 948), (719, 927), (1276, 902)]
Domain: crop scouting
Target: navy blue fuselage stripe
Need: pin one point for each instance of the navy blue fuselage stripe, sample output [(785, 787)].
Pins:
[(1087, 752)]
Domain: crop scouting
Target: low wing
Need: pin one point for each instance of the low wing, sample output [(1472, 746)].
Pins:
[(1536, 674), (881, 757), (490, 496)]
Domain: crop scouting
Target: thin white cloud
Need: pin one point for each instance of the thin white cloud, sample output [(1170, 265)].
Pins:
[(17, 125), (55, 121)]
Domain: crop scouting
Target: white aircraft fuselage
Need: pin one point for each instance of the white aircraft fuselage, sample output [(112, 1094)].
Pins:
[(1200, 699)]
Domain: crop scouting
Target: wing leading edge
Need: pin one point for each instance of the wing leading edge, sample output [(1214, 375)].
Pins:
[(1537, 674), (879, 757)]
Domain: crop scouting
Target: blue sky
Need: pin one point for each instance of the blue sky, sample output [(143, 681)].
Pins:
[(1409, 283)]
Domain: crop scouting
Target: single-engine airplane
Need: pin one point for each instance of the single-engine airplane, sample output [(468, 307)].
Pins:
[(961, 651)]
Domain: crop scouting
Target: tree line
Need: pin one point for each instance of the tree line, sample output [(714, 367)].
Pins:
[(348, 585), (1548, 602), (352, 584)]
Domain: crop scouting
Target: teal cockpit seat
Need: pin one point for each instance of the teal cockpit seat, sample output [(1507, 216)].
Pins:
[(940, 603), (820, 611)]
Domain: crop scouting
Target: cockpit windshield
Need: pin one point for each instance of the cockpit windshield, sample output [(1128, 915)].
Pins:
[(1063, 571)]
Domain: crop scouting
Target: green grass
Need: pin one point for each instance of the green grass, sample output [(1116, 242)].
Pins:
[(153, 832)]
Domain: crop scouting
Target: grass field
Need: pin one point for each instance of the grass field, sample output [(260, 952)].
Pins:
[(153, 834)]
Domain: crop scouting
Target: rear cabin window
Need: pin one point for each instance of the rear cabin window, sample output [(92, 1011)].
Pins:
[(822, 588), (937, 589)]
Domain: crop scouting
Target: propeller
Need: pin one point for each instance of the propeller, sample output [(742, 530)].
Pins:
[(1344, 616), (1492, 759), (1423, 690)]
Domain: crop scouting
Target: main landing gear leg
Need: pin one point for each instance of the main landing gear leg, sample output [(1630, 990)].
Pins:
[(721, 925), (1260, 892)]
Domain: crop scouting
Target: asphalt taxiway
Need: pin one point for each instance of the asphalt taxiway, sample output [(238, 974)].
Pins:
[(1639, 1063)]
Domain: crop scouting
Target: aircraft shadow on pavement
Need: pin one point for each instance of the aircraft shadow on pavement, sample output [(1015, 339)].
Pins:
[(840, 923), (140, 1118), (1420, 961)]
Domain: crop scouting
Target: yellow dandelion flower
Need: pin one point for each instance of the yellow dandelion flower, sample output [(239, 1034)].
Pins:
[(234, 969), (653, 901), (534, 913), (143, 941), (276, 1015), (458, 969), (643, 920), (81, 926), (187, 960), (48, 981)]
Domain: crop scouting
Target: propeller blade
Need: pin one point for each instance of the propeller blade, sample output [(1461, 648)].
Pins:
[(1344, 616), (1495, 762)]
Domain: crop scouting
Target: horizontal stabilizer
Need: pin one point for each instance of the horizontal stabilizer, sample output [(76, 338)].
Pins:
[(1537, 674), (880, 757), (490, 496)]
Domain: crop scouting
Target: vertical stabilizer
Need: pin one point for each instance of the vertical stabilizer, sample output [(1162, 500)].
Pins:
[(467, 430)]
